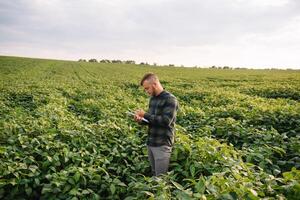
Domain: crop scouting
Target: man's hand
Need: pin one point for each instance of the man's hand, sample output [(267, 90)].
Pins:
[(137, 118), (139, 114)]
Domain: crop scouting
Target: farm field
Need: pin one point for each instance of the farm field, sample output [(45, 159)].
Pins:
[(64, 132)]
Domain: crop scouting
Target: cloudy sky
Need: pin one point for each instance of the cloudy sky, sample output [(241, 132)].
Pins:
[(237, 33)]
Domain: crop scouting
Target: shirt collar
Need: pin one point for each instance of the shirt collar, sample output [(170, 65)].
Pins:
[(161, 94)]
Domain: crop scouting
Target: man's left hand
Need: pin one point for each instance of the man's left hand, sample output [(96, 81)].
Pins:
[(140, 113)]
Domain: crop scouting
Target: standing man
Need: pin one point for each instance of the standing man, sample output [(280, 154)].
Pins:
[(162, 117)]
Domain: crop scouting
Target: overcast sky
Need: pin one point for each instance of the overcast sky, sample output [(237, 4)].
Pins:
[(236, 33)]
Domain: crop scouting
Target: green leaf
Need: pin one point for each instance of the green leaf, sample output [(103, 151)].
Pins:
[(177, 185), (121, 184), (200, 186), (76, 177), (279, 150), (148, 193), (112, 188), (74, 191), (28, 190), (192, 170), (228, 196), (86, 192), (2, 150), (37, 181), (67, 188), (46, 189), (251, 196), (33, 168), (49, 158), (276, 172), (71, 181), (253, 192), (13, 181)]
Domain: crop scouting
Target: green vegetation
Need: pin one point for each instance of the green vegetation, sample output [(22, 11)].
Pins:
[(64, 133)]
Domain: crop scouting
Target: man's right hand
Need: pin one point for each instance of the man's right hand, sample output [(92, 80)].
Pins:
[(137, 118)]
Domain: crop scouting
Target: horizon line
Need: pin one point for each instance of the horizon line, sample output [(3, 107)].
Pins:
[(155, 64)]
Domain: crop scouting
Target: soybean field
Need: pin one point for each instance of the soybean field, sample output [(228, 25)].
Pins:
[(64, 132)]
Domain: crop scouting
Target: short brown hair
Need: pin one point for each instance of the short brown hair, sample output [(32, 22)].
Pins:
[(149, 76)]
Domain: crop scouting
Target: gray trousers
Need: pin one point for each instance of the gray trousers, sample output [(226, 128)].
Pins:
[(159, 158)]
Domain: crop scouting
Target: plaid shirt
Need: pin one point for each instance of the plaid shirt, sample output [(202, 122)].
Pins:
[(162, 117)]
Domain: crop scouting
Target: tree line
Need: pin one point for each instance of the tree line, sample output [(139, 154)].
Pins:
[(93, 60), (108, 61)]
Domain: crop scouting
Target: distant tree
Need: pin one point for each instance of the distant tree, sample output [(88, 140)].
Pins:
[(93, 60), (226, 67), (82, 60), (105, 61), (171, 65), (117, 61), (129, 62), (213, 67)]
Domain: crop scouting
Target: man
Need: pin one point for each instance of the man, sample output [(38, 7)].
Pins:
[(162, 117)]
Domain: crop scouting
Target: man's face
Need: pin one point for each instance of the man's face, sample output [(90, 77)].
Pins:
[(149, 87)]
